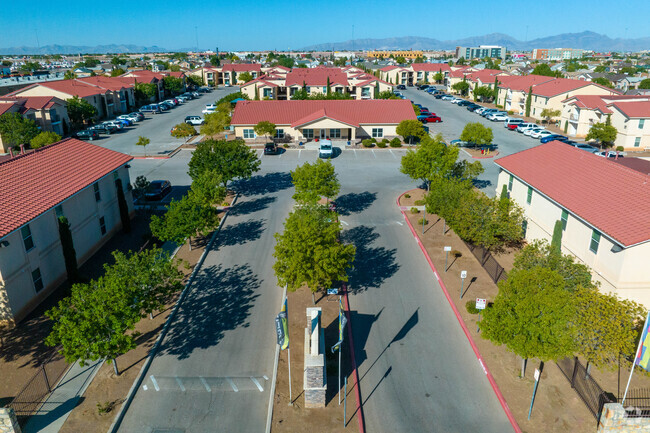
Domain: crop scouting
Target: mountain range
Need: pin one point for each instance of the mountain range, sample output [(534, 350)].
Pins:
[(586, 40)]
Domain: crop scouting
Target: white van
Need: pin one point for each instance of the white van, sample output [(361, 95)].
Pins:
[(513, 121), (325, 150)]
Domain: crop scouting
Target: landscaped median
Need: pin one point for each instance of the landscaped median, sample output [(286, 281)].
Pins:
[(557, 407)]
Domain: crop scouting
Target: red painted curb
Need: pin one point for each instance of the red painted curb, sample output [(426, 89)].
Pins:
[(355, 373), (495, 387)]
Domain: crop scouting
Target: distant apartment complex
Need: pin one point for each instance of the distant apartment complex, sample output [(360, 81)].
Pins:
[(408, 54), (557, 53), (491, 51)]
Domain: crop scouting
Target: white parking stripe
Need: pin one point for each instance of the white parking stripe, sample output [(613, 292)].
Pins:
[(373, 153), (299, 151), (203, 381), (256, 382), (232, 384), (355, 152), (343, 222), (180, 384), (391, 152), (155, 384)]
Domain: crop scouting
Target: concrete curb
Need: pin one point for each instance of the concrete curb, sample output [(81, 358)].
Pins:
[(493, 383), (154, 350), (355, 372), (269, 415)]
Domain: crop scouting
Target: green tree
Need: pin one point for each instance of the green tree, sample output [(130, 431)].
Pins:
[(144, 92), (230, 159), (411, 130), (30, 67), (439, 76), (532, 315), (308, 251), (387, 94), (44, 138), (645, 84), (265, 128), (80, 111), (143, 141), (313, 181), (172, 85), (604, 133), (117, 72), (600, 68), (603, 82), (140, 186), (174, 68), (461, 87), (484, 93), (246, 77), (207, 189), (433, 158), (549, 114), (183, 130), (69, 75), (194, 80), (16, 130), (91, 62), (329, 86), (543, 69), (216, 122), (529, 100), (477, 134), (556, 241), (184, 218)]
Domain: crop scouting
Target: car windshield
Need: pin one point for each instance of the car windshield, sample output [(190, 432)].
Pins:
[(325, 147), (156, 186)]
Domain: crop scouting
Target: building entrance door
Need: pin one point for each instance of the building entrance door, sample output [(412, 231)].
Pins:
[(323, 134)]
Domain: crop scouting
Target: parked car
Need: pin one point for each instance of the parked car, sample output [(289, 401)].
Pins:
[(426, 118), (128, 118), (529, 131), (153, 109), (523, 126), (164, 107), (188, 96), (541, 133), (608, 154), (103, 129), (168, 104), (464, 103), (196, 94), (87, 134), (472, 107), (447, 97), (497, 117), (117, 123), (401, 87), (123, 121), (513, 121), (137, 115), (455, 100), (440, 95), (486, 111), (459, 143), (552, 137), (271, 149), (589, 148), (208, 111), (423, 87), (430, 89), (182, 99), (397, 94), (194, 120), (157, 190), (172, 101), (325, 150)]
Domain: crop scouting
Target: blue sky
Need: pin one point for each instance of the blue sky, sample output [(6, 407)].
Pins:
[(281, 24)]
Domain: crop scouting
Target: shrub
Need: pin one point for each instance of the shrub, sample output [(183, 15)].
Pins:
[(511, 112), (396, 142), (620, 148), (374, 140), (471, 307), (381, 144), (367, 143), (499, 106), (407, 195), (285, 145), (415, 210), (183, 130), (423, 221), (419, 202)]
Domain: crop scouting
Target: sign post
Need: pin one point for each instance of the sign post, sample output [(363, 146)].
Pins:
[(534, 392), (480, 306), (447, 249), (342, 322), (463, 275), (282, 331)]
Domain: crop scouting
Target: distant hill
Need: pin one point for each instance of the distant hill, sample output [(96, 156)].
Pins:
[(585, 40), (80, 49)]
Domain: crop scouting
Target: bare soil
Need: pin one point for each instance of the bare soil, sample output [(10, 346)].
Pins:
[(296, 418), (557, 407)]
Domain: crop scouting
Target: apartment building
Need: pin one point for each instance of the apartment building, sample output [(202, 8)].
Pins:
[(70, 178), (48, 112), (384, 54), (603, 207), (557, 54), (481, 52)]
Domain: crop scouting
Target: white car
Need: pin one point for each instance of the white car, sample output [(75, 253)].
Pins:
[(455, 100), (194, 120), (325, 150), (531, 130), (447, 98), (133, 119), (211, 106), (118, 125), (208, 111), (522, 127), (173, 102), (497, 117), (480, 110), (540, 134), (513, 121)]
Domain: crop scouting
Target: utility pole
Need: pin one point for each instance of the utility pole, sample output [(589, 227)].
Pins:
[(196, 34)]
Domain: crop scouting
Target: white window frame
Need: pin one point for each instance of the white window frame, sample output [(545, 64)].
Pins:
[(279, 133), (335, 133), (247, 133), (308, 133), (637, 142), (377, 132)]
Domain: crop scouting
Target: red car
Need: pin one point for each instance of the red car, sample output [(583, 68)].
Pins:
[(426, 118)]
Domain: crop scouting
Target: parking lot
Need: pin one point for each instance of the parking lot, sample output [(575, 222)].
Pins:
[(157, 127)]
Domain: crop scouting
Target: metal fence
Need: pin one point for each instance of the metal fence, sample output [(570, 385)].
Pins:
[(586, 386), (637, 403), (39, 386), (489, 263)]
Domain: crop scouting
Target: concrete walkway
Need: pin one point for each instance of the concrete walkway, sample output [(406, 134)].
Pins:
[(52, 414)]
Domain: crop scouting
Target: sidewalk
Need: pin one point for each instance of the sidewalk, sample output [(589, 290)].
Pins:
[(55, 410)]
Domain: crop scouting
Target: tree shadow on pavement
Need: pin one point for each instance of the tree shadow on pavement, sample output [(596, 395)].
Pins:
[(372, 265), (354, 202), (220, 301), (240, 233), (263, 184), (251, 206)]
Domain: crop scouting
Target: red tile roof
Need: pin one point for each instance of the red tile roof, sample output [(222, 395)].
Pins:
[(70, 87), (559, 86), (522, 83), (316, 77), (431, 67), (5, 107), (591, 102), (612, 198), (42, 179), (242, 67), (108, 83), (352, 112), (640, 109), (638, 164)]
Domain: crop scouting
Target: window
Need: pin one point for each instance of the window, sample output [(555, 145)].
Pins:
[(98, 196), (637, 142), (377, 132), (27, 237), (524, 227), (510, 182), (595, 241), (308, 133), (249, 133), (102, 225), (641, 123), (335, 133), (58, 211), (529, 197), (268, 93), (325, 89), (279, 133), (564, 218), (37, 278), (308, 89)]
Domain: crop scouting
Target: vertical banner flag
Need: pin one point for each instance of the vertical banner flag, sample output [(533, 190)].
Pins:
[(643, 355), (282, 327), (342, 322)]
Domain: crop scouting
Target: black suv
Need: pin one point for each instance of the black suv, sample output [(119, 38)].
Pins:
[(401, 87), (271, 149), (104, 128), (88, 134)]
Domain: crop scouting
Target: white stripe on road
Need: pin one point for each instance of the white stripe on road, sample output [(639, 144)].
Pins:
[(391, 152), (399, 223), (355, 152), (343, 222), (232, 384), (180, 383), (256, 382), (155, 384), (207, 387), (299, 151), (373, 153)]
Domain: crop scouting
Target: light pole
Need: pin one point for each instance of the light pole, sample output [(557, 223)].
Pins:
[(463, 275), (447, 249)]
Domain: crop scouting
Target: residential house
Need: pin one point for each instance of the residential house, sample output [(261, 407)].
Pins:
[(48, 112), (229, 72), (318, 119), (603, 207), (70, 178)]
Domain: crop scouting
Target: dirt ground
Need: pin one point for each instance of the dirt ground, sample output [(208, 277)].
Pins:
[(297, 418), (557, 407)]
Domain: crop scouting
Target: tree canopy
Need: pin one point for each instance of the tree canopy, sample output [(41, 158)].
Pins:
[(411, 129), (218, 121), (16, 130), (313, 181), (44, 138), (264, 128), (184, 218), (229, 159), (80, 111), (545, 70), (144, 91), (172, 85), (476, 133), (604, 133), (644, 84), (246, 77), (461, 87)]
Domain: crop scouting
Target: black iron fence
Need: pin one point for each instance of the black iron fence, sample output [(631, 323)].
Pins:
[(637, 403), (586, 386), (489, 263), (39, 386)]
